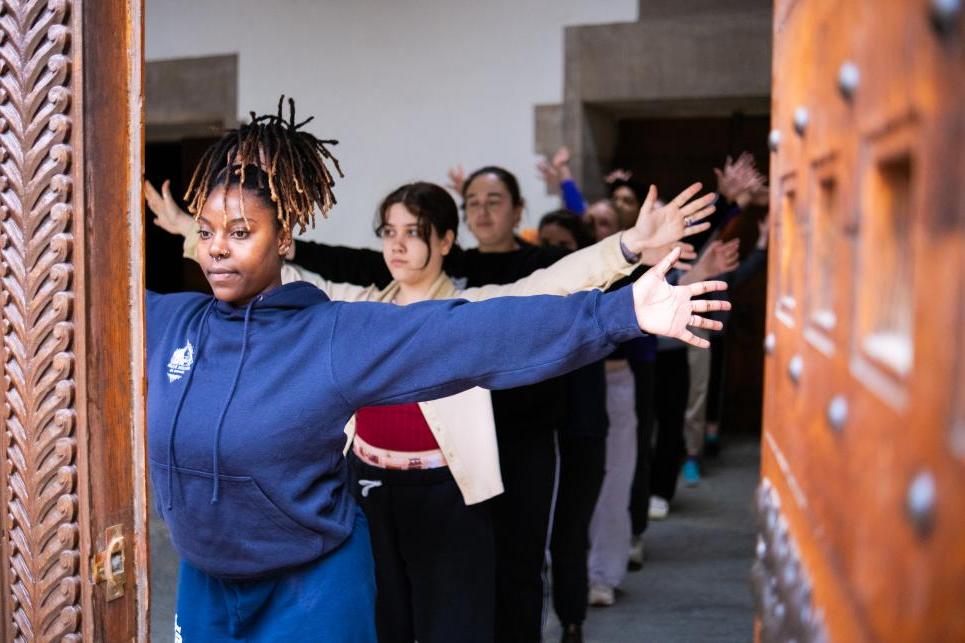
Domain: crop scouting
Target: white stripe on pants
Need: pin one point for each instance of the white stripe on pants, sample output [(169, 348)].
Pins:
[(610, 526)]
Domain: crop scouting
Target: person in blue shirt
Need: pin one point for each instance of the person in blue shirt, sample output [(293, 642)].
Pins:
[(249, 390)]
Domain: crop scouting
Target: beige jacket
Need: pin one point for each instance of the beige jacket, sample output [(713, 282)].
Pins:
[(463, 424)]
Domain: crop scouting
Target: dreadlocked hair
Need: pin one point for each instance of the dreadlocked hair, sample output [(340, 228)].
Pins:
[(271, 156)]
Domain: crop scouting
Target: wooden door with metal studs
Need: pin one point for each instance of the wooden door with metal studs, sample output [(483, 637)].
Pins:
[(862, 497)]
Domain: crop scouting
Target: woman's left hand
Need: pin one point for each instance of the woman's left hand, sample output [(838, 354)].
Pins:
[(662, 309)]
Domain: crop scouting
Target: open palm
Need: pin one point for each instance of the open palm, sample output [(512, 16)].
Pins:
[(663, 309), (167, 215), (659, 226)]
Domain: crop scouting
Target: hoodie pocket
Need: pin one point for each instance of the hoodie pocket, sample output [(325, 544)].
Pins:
[(243, 535)]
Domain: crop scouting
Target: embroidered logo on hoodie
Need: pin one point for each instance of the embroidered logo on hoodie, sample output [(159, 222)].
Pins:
[(181, 361)]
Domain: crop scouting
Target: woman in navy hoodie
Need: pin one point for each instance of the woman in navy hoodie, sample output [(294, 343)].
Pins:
[(249, 390)]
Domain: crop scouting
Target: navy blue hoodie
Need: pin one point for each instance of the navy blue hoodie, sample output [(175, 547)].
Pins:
[(247, 405)]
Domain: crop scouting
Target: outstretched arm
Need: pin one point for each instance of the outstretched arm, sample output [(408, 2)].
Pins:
[(362, 266), (596, 266), (656, 232), (383, 354)]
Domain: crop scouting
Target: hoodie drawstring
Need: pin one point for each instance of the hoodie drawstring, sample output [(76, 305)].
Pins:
[(216, 465), (184, 391)]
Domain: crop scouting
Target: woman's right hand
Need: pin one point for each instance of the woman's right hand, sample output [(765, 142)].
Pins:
[(167, 215)]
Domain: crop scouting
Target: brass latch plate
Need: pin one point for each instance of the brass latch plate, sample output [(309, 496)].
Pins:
[(108, 564)]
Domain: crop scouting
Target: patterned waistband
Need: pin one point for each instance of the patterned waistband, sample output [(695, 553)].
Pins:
[(399, 460)]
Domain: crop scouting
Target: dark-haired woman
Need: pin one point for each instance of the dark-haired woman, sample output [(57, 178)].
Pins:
[(626, 195), (581, 444), (527, 418), (564, 229)]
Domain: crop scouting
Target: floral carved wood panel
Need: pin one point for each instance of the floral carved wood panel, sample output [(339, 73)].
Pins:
[(42, 550)]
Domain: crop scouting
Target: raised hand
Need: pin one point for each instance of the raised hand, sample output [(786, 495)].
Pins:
[(739, 179), (717, 259), (618, 175), (721, 257), (457, 177), (549, 174), (658, 227), (662, 309), (167, 215), (561, 162)]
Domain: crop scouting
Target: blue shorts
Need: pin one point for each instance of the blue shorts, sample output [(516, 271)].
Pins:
[(330, 600)]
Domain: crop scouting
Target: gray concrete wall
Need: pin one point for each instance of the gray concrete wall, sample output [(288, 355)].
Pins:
[(686, 57), (190, 96), (665, 8), (690, 55)]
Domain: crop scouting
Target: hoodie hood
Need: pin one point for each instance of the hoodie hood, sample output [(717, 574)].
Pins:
[(291, 296)]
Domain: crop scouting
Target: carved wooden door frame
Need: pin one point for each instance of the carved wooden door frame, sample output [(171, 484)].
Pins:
[(71, 141)]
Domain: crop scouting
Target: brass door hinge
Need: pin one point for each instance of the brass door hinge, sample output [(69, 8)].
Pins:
[(108, 564)]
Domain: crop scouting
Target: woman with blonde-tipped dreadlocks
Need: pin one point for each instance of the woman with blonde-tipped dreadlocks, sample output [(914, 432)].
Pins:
[(248, 392), (435, 577)]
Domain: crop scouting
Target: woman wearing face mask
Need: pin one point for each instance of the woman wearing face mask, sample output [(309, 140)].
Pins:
[(423, 470)]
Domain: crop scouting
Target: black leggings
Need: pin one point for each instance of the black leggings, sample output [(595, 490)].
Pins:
[(521, 517), (433, 556), (582, 464)]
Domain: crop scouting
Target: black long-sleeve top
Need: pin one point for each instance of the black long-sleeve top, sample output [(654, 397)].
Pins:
[(534, 407)]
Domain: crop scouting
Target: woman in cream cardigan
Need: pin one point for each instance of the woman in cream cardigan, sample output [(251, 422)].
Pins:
[(423, 471)]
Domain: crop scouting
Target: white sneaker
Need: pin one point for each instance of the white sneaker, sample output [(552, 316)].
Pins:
[(636, 555), (659, 508), (602, 595)]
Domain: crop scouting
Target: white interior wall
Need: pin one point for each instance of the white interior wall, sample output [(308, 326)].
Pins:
[(408, 87)]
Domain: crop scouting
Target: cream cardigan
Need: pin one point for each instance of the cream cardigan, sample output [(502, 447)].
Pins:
[(463, 424)]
